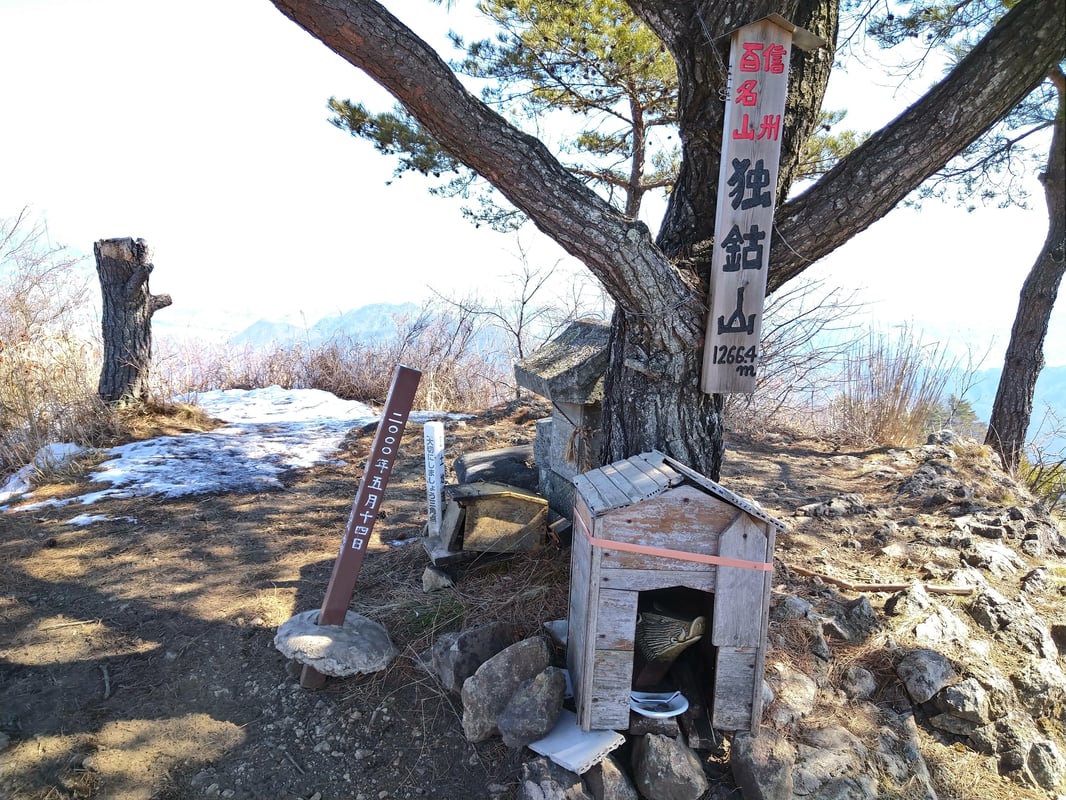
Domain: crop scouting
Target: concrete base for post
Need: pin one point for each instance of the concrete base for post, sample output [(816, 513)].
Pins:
[(356, 647)]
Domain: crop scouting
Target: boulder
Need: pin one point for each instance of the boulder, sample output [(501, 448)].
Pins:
[(608, 781), (762, 765), (667, 769), (533, 709), (542, 779), (456, 656), (924, 673), (486, 693)]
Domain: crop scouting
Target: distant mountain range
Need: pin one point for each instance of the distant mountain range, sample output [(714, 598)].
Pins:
[(369, 324), (379, 321), (1050, 393)]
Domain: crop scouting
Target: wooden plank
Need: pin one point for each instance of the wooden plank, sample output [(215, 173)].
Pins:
[(724, 494), (697, 687), (646, 482), (616, 619), (656, 462), (639, 580), (684, 519), (735, 684), (495, 525), (580, 588), (760, 659), (589, 677), (738, 606), (451, 527), (608, 706), (609, 490), (615, 475), (593, 499), (739, 268), (614, 559)]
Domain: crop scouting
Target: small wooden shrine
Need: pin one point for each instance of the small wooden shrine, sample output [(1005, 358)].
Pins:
[(650, 532)]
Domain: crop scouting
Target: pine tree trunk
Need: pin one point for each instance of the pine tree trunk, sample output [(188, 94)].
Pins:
[(124, 266), (652, 401), (1013, 407)]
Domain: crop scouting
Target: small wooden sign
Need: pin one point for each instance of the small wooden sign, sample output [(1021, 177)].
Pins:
[(747, 185), (433, 436), (366, 507)]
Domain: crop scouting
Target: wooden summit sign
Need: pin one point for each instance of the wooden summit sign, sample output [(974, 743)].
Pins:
[(747, 183)]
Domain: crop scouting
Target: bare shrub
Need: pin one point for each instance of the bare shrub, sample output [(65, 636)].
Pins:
[(807, 332), (460, 372), (48, 365), (1043, 467), (891, 390)]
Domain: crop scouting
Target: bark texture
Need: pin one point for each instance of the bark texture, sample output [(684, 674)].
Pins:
[(1013, 408), (659, 286), (123, 266)]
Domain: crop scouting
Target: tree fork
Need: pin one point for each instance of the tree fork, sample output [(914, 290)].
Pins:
[(124, 266)]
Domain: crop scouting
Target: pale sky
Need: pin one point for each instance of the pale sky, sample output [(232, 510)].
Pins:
[(201, 127)]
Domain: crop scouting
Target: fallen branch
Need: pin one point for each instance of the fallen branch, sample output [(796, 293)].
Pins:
[(878, 587), (70, 624)]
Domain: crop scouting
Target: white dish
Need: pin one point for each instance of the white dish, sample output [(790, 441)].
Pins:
[(658, 704)]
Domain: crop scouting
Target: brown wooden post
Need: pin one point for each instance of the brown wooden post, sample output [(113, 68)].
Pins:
[(366, 507)]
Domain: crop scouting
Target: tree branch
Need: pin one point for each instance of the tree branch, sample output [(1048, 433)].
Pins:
[(878, 174), (619, 251)]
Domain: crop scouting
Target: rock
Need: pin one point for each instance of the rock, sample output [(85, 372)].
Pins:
[(509, 465), (1045, 765), (858, 683), (434, 579), (666, 769), (944, 438), (542, 779), (1010, 737), (924, 673), (608, 781), (843, 506), (996, 558), (762, 765), (1041, 687), (1015, 622), (899, 756), (941, 627), (533, 709), (456, 656), (966, 699), (949, 723), (795, 694), (489, 689), (789, 607), (831, 763), (357, 647), (909, 602), (853, 622)]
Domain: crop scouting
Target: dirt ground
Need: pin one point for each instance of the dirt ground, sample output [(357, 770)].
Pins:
[(136, 655)]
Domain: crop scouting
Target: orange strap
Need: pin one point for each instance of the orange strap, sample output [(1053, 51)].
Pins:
[(627, 547)]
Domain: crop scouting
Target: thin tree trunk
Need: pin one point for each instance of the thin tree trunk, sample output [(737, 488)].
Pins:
[(124, 266), (1013, 407)]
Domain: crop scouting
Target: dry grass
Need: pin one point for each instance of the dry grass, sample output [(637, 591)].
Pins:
[(891, 390)]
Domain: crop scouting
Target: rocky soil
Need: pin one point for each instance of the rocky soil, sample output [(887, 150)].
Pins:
[(916, 629)]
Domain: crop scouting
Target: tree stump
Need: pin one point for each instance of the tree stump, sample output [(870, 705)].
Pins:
[(124, 266)]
